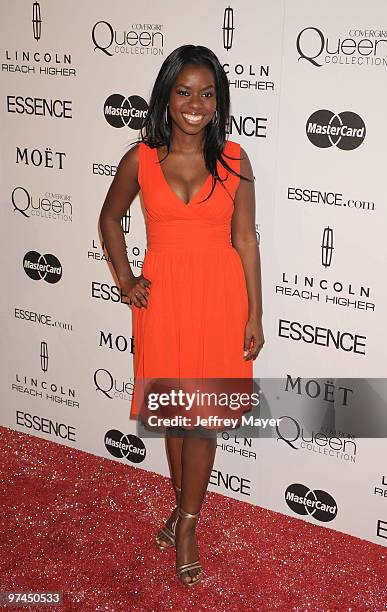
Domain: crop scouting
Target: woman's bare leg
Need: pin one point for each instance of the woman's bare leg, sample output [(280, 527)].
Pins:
[(198, 454), (174, 451), (174, 455)]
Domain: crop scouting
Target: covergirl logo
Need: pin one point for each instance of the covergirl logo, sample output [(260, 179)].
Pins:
[(361, 47), (137, 39), (293, 436)]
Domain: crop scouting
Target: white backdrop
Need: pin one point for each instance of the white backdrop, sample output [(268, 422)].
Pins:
[(296, 69)]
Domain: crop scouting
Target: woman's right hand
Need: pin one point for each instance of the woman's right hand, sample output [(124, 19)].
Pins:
[(136, 289)]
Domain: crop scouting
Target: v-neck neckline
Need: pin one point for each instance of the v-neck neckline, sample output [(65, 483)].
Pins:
[(170, 188)]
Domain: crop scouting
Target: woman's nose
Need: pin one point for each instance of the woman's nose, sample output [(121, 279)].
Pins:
[(196, 102)]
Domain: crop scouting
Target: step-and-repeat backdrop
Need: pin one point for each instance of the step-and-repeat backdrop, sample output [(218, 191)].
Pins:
[(308, 84)]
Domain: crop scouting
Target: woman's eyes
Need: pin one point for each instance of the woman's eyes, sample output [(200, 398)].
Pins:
[(183, 92)]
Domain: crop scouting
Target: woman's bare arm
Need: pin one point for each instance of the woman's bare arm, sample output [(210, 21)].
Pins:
[(120, 196), (244, 240)]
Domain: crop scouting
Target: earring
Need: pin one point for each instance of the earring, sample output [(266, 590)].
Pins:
[(215, 116), (166, 114)]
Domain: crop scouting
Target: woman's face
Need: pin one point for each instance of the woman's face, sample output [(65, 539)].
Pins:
[(192, 102)]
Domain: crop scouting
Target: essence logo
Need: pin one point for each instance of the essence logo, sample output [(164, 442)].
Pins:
[(231, 482), (125, 446), (318, 504), (40, 107), (381, 529), (346, 130), (120, 111), (36, 21), (228, 28), (46, 267)]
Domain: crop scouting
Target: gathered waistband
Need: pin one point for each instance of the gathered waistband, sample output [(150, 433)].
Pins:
[(188, 235)]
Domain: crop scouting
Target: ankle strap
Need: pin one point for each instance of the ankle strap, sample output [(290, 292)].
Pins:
[(185, 514), (176, 488)]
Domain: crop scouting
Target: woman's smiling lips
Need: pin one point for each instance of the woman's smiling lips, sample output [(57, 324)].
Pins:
[(192, 119)]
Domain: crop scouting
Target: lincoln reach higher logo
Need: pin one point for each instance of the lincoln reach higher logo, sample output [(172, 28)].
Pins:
[(36, 21), (228, 28)]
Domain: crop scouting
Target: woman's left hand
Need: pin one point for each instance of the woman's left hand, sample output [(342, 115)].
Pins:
[(254, 339)]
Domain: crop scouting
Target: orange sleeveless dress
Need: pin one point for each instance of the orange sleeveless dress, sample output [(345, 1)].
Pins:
[(193, 326)]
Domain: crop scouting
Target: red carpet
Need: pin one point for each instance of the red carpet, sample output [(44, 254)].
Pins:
[(83, 525)]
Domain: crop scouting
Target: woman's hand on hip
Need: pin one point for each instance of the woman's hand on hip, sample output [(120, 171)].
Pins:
[(136, 289)]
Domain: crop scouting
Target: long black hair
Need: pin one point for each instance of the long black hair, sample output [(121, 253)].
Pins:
[(157, 130)]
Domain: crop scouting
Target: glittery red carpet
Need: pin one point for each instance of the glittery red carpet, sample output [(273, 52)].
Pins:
[(84, 525)]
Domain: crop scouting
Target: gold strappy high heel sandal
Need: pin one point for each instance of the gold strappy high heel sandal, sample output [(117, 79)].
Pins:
[(187, 567), (165, 537)]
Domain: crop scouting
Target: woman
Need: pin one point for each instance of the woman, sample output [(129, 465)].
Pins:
[(197, 305)]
